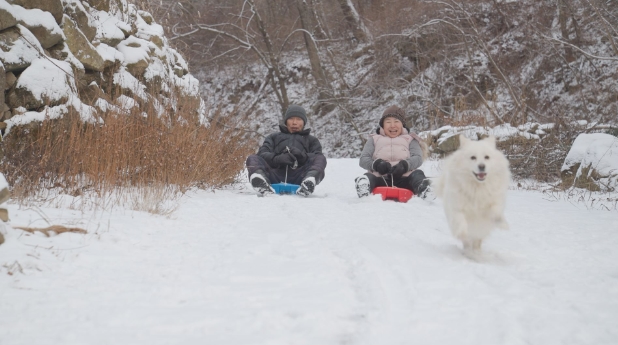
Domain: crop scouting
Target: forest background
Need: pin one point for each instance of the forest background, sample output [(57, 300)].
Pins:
[(481, 62)]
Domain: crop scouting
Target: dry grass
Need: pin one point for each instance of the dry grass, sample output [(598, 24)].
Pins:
[(141, 162), (579, 196), (540, 160)]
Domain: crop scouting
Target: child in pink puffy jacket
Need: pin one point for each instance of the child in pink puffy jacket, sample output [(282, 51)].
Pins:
[(392, 157)]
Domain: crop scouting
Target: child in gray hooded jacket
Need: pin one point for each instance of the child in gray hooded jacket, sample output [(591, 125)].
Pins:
[(392, 157)]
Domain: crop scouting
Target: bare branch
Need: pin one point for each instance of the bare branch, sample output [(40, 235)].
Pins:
[(580, 50)]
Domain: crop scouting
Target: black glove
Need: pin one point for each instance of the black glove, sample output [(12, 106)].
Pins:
[(301, 156), (283, 159), (400, 169), (381, 166)]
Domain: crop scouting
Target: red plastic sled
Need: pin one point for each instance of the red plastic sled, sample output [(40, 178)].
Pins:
[(394, 193), (285, 188)]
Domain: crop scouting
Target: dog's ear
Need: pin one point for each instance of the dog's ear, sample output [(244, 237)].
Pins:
[(463, 141)]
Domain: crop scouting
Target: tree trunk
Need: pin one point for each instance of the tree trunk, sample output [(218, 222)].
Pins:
[(306, 21), (321, 30), (563, 17), (278, 79), (359, 30)]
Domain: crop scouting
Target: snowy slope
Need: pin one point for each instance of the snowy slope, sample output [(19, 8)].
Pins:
[(232, 268)]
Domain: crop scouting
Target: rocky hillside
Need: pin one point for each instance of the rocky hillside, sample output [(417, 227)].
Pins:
[(89, 57)]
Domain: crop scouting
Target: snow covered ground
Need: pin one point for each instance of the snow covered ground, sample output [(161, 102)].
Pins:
[(231, 268)]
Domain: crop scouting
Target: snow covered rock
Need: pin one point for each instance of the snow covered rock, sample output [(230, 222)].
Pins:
[(54, 7), (110, 55), (102, 49), (7, 18), (15, 52), (101, 5), (83, 19), (136, 53), (109, 28), (79, 45), (592, 163), (42, 25), (448, 144), (46, 82)]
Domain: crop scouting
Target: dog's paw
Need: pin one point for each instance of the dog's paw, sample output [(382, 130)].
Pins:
[(461, 234)]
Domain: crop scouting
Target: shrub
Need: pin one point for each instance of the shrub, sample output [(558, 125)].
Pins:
[(145, 161)]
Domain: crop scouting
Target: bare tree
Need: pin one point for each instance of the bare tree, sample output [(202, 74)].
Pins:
[(307, 16), (359, 30), (321, 28), (249, 33)]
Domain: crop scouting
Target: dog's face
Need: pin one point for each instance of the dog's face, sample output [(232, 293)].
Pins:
[(480, 159)]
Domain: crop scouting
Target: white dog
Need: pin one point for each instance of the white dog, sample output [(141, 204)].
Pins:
[(473, 187)]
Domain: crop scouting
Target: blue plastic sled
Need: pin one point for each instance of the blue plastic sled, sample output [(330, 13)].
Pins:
[(285, 188)]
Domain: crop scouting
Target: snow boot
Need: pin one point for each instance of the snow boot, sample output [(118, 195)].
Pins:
[(260, 184), (363, 187), (307, 186), (425, 191)]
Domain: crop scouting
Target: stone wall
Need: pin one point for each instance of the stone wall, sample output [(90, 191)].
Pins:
[(90, 56)]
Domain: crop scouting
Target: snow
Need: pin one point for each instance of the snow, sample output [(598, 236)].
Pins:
[(231, 268), (125, 80), (188, 85), (108, 26), (24, 117), (23, 50), (109, 53), (37, 18), (156, 68), (596, 150), (126, 102), (145, 30), (103, 105), (134, 50), (48, 79), (3, 183)]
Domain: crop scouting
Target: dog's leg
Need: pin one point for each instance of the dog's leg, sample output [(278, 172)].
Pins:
[(472, 245), (467, 245), (476, 244), (459, 226), (497, 210)]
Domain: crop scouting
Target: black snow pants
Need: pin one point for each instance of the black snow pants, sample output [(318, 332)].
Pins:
[(313, 167), (411, 182)]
